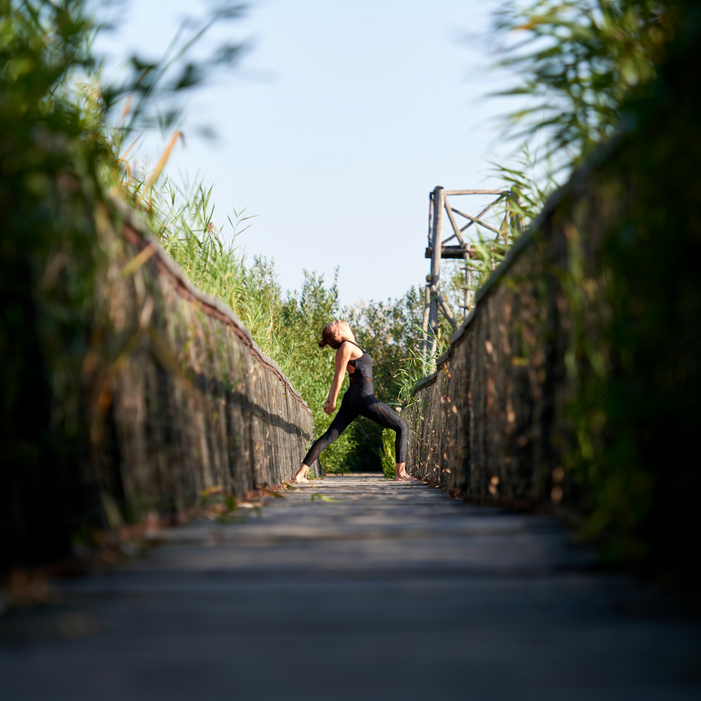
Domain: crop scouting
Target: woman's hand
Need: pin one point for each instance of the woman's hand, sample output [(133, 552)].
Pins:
[(329, 408)]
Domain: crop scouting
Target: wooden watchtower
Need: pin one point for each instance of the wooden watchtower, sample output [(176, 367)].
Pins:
[(438, 248)]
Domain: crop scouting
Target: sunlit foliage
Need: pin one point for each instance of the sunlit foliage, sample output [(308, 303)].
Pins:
[(577, 61)]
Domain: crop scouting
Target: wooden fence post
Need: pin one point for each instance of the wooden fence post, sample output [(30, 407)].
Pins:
[(468, 282), (436, 240)]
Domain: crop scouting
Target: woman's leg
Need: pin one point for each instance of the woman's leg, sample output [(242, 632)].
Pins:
[(380, 413), (340, 423)]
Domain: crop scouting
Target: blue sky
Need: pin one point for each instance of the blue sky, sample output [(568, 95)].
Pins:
[(335, 127)]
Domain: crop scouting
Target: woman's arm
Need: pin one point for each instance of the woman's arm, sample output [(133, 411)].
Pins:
[(342, 357)]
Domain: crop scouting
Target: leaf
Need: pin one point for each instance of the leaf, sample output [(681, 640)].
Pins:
[(139, 259), (271, 493), (191, 75), (323, 497)]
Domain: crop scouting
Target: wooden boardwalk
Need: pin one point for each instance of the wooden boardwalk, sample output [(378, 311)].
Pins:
[(390, 592)]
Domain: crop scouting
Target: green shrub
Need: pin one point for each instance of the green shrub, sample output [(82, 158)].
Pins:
[(389, 465)]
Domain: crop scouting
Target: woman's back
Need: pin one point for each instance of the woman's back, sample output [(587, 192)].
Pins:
[(361, 377)]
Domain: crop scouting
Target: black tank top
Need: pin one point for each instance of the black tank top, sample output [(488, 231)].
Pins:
[(362, 377)]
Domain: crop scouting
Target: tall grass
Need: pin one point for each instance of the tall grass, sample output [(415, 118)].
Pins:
[(578, 61)]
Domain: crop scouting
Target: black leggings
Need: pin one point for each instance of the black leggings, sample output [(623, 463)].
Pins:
[(356, 404)]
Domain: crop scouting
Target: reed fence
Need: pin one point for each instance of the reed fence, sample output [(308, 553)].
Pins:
[(175, 412), (488, 422), (192, 404)]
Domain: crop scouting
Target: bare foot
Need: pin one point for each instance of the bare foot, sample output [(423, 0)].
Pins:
[(301, 476), (401, 475)]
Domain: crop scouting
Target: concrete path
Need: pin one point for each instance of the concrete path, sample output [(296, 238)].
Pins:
[(389, 592)]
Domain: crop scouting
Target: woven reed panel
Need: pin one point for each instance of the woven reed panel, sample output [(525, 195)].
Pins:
[(191, 402), (488, 424)]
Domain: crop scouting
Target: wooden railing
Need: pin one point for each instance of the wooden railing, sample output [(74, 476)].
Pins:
[(175, 403), (487, 421), (197, 406)]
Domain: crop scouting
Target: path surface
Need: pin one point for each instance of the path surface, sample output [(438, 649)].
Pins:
[(391, 592)]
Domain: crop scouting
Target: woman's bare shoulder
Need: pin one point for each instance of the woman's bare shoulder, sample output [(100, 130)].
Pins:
[(350, 349)]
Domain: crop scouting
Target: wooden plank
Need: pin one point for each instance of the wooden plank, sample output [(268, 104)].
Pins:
[(479, 216), (427, 295), (452, 252), (424, 325), (436, 237), (477, 192), (468, 282), (430, 217), (438, 206), (475, 220), (453, 223), (450, 238), (442, 302), (484, 598)]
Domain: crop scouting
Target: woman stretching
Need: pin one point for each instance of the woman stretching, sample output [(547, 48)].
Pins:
[(359, 400)]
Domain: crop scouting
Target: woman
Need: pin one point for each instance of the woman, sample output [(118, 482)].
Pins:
[(359, 400)]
